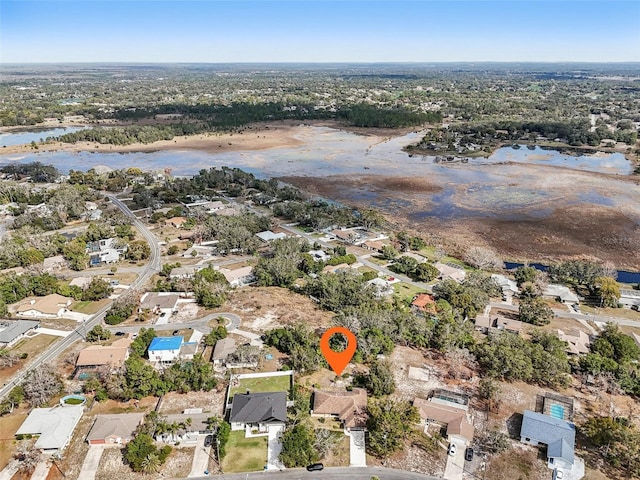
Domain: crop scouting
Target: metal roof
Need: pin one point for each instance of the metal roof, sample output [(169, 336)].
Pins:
[(165, 343)]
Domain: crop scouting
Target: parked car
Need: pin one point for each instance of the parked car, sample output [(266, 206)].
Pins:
[(315, 467), (452, 449), (468, 454), (208, 440), (119, 334), (175, 332), (558, 474)]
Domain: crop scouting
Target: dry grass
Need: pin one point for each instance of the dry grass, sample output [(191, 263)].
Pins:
[(518, 464), (89, 308), (339, 456), (9, 424), (212, 401), (112, 465), (32, 346), (262, 308)]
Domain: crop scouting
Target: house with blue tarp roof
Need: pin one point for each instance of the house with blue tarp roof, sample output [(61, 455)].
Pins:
[(163, 350)]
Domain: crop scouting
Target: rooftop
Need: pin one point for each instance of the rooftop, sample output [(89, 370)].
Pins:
[(350, 407), (121, 425), (259, 407), (224, 347), (114, 354), (49, 304), (54, 425), (153, 300), (11, 329), (166, 343), (549, 430)]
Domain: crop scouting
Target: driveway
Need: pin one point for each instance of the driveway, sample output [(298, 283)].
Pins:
[(41, 471), (200, 458), (10, 470), (274, 447), (91, 462), (357, 453), (455, 463)]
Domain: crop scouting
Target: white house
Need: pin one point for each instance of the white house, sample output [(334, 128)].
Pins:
[(509, 287), (383, 288), (104, 251), (238, 277), (269, 236), (54, 426), (50, 306), (165, 349), (561, 293), (162, 303), (629, 298)]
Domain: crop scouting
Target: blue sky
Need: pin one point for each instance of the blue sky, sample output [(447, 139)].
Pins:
[(318, 31)]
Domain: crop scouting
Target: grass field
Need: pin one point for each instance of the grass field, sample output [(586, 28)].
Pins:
[(9, 424), (611, 312), (265, 384), (88, 307), (245, 454), (406, 290)]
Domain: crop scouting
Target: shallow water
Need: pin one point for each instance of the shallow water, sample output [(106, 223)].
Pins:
[(34, 135)]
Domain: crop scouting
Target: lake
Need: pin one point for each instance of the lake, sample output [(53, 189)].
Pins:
[(34, 135)]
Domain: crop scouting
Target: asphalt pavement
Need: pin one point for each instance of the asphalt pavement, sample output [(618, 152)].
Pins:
[(334, 473)]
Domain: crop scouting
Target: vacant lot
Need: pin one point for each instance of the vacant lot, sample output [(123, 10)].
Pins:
[(89, 308), (32, 346), (406, 290), (245, 454), (112, 466), (262, 308), (212, 402)]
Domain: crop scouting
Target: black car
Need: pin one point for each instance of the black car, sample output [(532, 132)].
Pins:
[(175, 332), (119, 334), (315, 467), (208, 440), (468, 454)]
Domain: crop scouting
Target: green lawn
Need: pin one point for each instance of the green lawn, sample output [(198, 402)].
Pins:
[(88, 307), (265, 384), (406, 290), (245, 454)]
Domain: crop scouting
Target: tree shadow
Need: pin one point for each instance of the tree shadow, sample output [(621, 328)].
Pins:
[(514, 425)]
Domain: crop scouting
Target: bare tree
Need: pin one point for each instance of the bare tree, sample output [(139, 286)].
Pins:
[(28, 456), (41, 384), (324, 441), (483, 258), (7, 358)]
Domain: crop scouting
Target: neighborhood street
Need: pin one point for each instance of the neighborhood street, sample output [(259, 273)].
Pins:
[(57, 348), (335, 473)]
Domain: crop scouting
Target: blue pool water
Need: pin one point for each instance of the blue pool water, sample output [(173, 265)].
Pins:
[(557, 412)]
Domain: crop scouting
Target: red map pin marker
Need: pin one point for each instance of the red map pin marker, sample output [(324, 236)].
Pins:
[(338, 360)]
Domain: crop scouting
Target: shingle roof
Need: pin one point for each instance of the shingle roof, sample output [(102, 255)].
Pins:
[(224, 348), (259, 407), (454, 418), (114, 354), (152, 300), (121, 425), (548, 430), (49, 304), (348, 406), (54, 425), (11, 329), (166, 343)]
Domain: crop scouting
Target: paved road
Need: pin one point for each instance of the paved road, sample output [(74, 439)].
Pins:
[(576, 316), (201, 324), (57, 348), (338, 473)]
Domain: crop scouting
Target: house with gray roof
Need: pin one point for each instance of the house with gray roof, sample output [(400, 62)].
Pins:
[(114, 429), (256, 412), (558, 435), (13, 330), (53, 426)]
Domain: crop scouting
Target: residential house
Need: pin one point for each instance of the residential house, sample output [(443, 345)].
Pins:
[(165, 349), (192, 423), (578, 342), (239, 277), (50, 306), (185, 272), (455, 420), (349, 407), (629, 298), (558, 435), (115, 429), (269, 236), (382, 287), (450, 271), (54, 426), (176, 222), (206, 206), (415, 256), (374, 245), (560, 293), (113, 356), (13, 330), (105, 251), (54, 263), (347, 236), (319, 255), (487, 323), (341, 267), (509, 287), (80, 282), (423, 303), (159, 303), (223, 348), (257, 412)]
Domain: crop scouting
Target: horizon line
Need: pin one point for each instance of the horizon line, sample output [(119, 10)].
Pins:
[(417, 62)]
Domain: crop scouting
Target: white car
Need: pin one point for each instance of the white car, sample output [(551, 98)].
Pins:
[(452, 449), (558, 474)]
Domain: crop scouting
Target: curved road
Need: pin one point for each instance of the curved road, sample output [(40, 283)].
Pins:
[(57, 348)]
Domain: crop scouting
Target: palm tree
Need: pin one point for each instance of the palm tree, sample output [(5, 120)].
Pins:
[(151, 464)]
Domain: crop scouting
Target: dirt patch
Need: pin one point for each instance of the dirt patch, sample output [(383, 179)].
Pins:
[(262, 308), (212, 401), (178, 465), (414, 459), (518, 462)]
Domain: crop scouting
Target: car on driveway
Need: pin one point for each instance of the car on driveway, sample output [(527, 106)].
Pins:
[(175, 332), (558, 474), (468, 454), (452, 449), (315, 467), (208, 440)]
